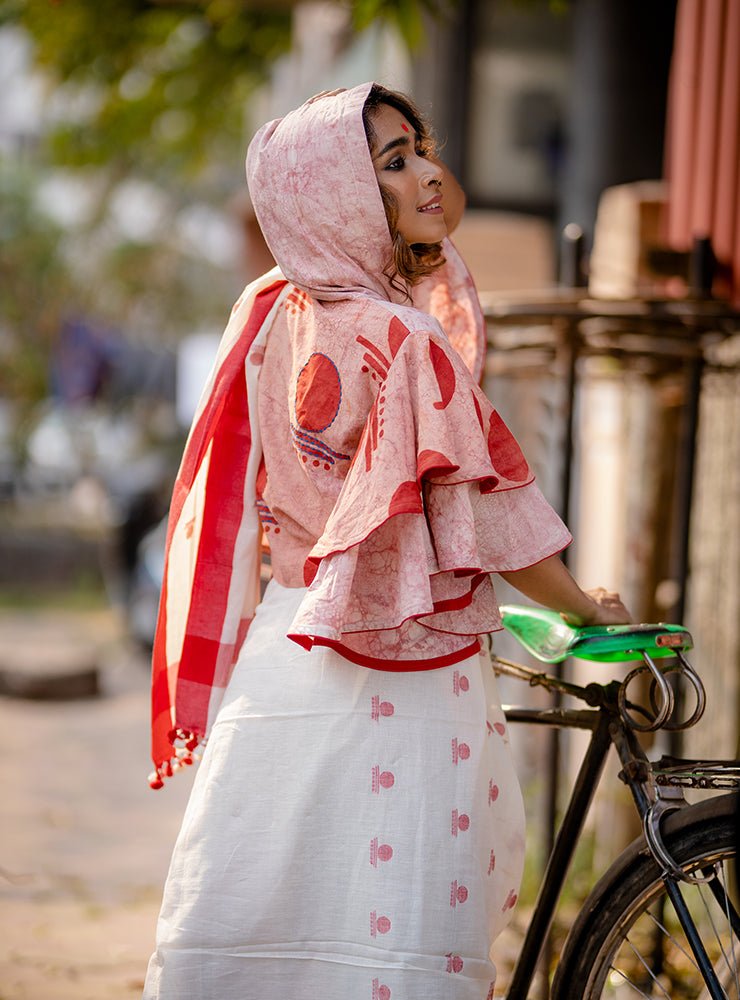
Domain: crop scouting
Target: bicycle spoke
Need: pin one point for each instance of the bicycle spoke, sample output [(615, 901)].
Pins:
[(731, 924), (732, 947), (730, 959), (723, 900), (674, 941), (647, 968), (719, 875), (635, 987)]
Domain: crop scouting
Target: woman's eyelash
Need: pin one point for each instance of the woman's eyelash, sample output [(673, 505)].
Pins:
[(423, 149)]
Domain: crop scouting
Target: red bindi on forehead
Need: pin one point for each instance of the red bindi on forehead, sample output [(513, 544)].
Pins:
[(405, 127)]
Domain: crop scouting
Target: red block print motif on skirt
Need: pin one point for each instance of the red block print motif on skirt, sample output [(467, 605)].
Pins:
[(380, 990), (379, 852)]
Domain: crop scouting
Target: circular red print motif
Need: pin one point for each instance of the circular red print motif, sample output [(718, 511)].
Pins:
[(383, 925), (318, 394), (464, 683), (385, 852), (384, 993), (386, 779), (386, 708), (463, 751), (464, 821)]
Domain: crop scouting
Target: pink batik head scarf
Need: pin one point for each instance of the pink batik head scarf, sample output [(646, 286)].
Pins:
[(315, 193)]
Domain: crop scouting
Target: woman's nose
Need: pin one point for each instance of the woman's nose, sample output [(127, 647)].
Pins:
[(431, 173)]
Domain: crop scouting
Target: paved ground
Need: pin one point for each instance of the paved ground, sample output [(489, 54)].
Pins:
[(85, 843)]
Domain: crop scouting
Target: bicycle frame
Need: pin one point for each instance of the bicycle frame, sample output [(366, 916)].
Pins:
[(608, 727), (559, 862)]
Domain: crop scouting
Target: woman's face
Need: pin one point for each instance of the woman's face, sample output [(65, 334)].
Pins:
[(404, 169)]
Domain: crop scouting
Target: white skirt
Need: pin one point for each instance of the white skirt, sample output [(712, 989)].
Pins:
[(352, 834)]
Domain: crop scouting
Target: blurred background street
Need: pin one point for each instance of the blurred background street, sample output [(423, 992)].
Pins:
[(85, 842)]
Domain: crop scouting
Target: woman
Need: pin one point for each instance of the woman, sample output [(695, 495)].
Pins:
[(355, 829)]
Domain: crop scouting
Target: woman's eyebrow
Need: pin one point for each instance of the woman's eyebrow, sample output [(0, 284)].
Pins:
[(402, 140)]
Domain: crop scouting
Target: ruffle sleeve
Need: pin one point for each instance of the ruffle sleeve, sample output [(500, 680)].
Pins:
[(437, 498)]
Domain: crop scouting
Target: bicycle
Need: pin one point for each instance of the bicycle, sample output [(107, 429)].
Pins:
[(663, 920)]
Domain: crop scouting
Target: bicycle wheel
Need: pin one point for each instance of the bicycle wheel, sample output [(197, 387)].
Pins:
[(625, 944)]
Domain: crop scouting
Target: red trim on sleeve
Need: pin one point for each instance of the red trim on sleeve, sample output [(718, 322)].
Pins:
[(463, 601)]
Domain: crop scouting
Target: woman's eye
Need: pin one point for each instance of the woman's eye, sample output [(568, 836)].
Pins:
[(397, 163)]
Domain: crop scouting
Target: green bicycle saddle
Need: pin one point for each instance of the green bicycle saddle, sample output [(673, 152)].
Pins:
[(545, 635)]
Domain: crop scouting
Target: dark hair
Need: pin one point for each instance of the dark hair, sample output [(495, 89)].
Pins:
[(410, 261)]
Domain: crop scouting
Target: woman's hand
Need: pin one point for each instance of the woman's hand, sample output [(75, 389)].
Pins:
[(607, 609)]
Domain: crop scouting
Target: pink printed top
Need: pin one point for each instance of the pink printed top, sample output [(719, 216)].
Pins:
[(389, 485), (346, 426)]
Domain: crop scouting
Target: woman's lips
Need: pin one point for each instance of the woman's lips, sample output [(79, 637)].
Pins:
[(431, 208)]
